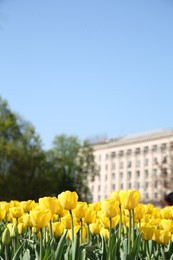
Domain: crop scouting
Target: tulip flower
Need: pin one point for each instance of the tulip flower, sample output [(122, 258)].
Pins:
[(57, 228), (40, 218), (68, 199), (110, 207), (129, 198)]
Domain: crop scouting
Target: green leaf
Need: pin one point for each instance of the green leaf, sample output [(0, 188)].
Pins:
[(59, 250), (135, 250), (18, 252), (76, 247)]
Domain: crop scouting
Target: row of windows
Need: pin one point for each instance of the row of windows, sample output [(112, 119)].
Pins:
[(138, 163), (130, 185), (145, 150), (128, 175)]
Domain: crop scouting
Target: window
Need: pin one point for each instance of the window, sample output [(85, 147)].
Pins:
[(138, 163), (106, 177), (154, 148), (129, 164), (106, 157), (129, 174), (129, 185), (98, 188), (146, 162), (155, 160), (113, 176), (147, 185), (137, 151), (113, 186), (121, 165), (146, 174), (146, 149), (106, 166), (121, 175), (129, 152), (164, 159), (146, 196), (156, 184), (113, 166), (155, 172), (138, 174), (98, 197), (156, 195), (121, 153), (121, 186), (100, 157), (138, 185), (113, 154), (163, 147)]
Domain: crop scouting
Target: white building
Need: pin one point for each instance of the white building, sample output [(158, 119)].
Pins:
[(134, 162)]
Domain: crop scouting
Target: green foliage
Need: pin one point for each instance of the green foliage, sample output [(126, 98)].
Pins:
[(29, 172), (73, 164)]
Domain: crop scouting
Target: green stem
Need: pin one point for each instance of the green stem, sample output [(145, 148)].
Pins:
[(88, 234), (41, 244), (163, 252), (51, 233), (14, 245), (6, 252), (72, 224), (120, 223), (133, 226), (81, 230), (110, 232), (129, 232)]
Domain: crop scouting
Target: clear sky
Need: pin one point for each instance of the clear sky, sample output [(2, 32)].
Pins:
[(88, 67)]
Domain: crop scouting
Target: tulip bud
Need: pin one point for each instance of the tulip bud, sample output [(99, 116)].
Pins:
[(6, 237), (13, 231)]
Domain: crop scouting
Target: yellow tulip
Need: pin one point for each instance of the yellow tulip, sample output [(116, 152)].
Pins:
[(104, 232), (90, 216), (14, 203), (129, 198), (27, 205), (139, 211), (69, 233), (66, 220), (50, 203), (161, 236), (3, 214), (167, 225), (147, 231), (105, 221), (80, 209), (95, 206), (57, 228), (68, 199), (21, 228), (115, 195), (25, 219), (95, 228), (6, 237), (40, 218), (166, 212), (149, 208), (16, 212), (110, 207)]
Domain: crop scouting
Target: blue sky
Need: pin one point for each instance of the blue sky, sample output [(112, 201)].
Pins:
[(88, 67)]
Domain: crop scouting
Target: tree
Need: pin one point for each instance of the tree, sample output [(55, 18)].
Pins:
[(74, 165), (22, 160)]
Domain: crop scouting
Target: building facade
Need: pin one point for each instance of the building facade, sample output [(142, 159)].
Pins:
[(141, 162)]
